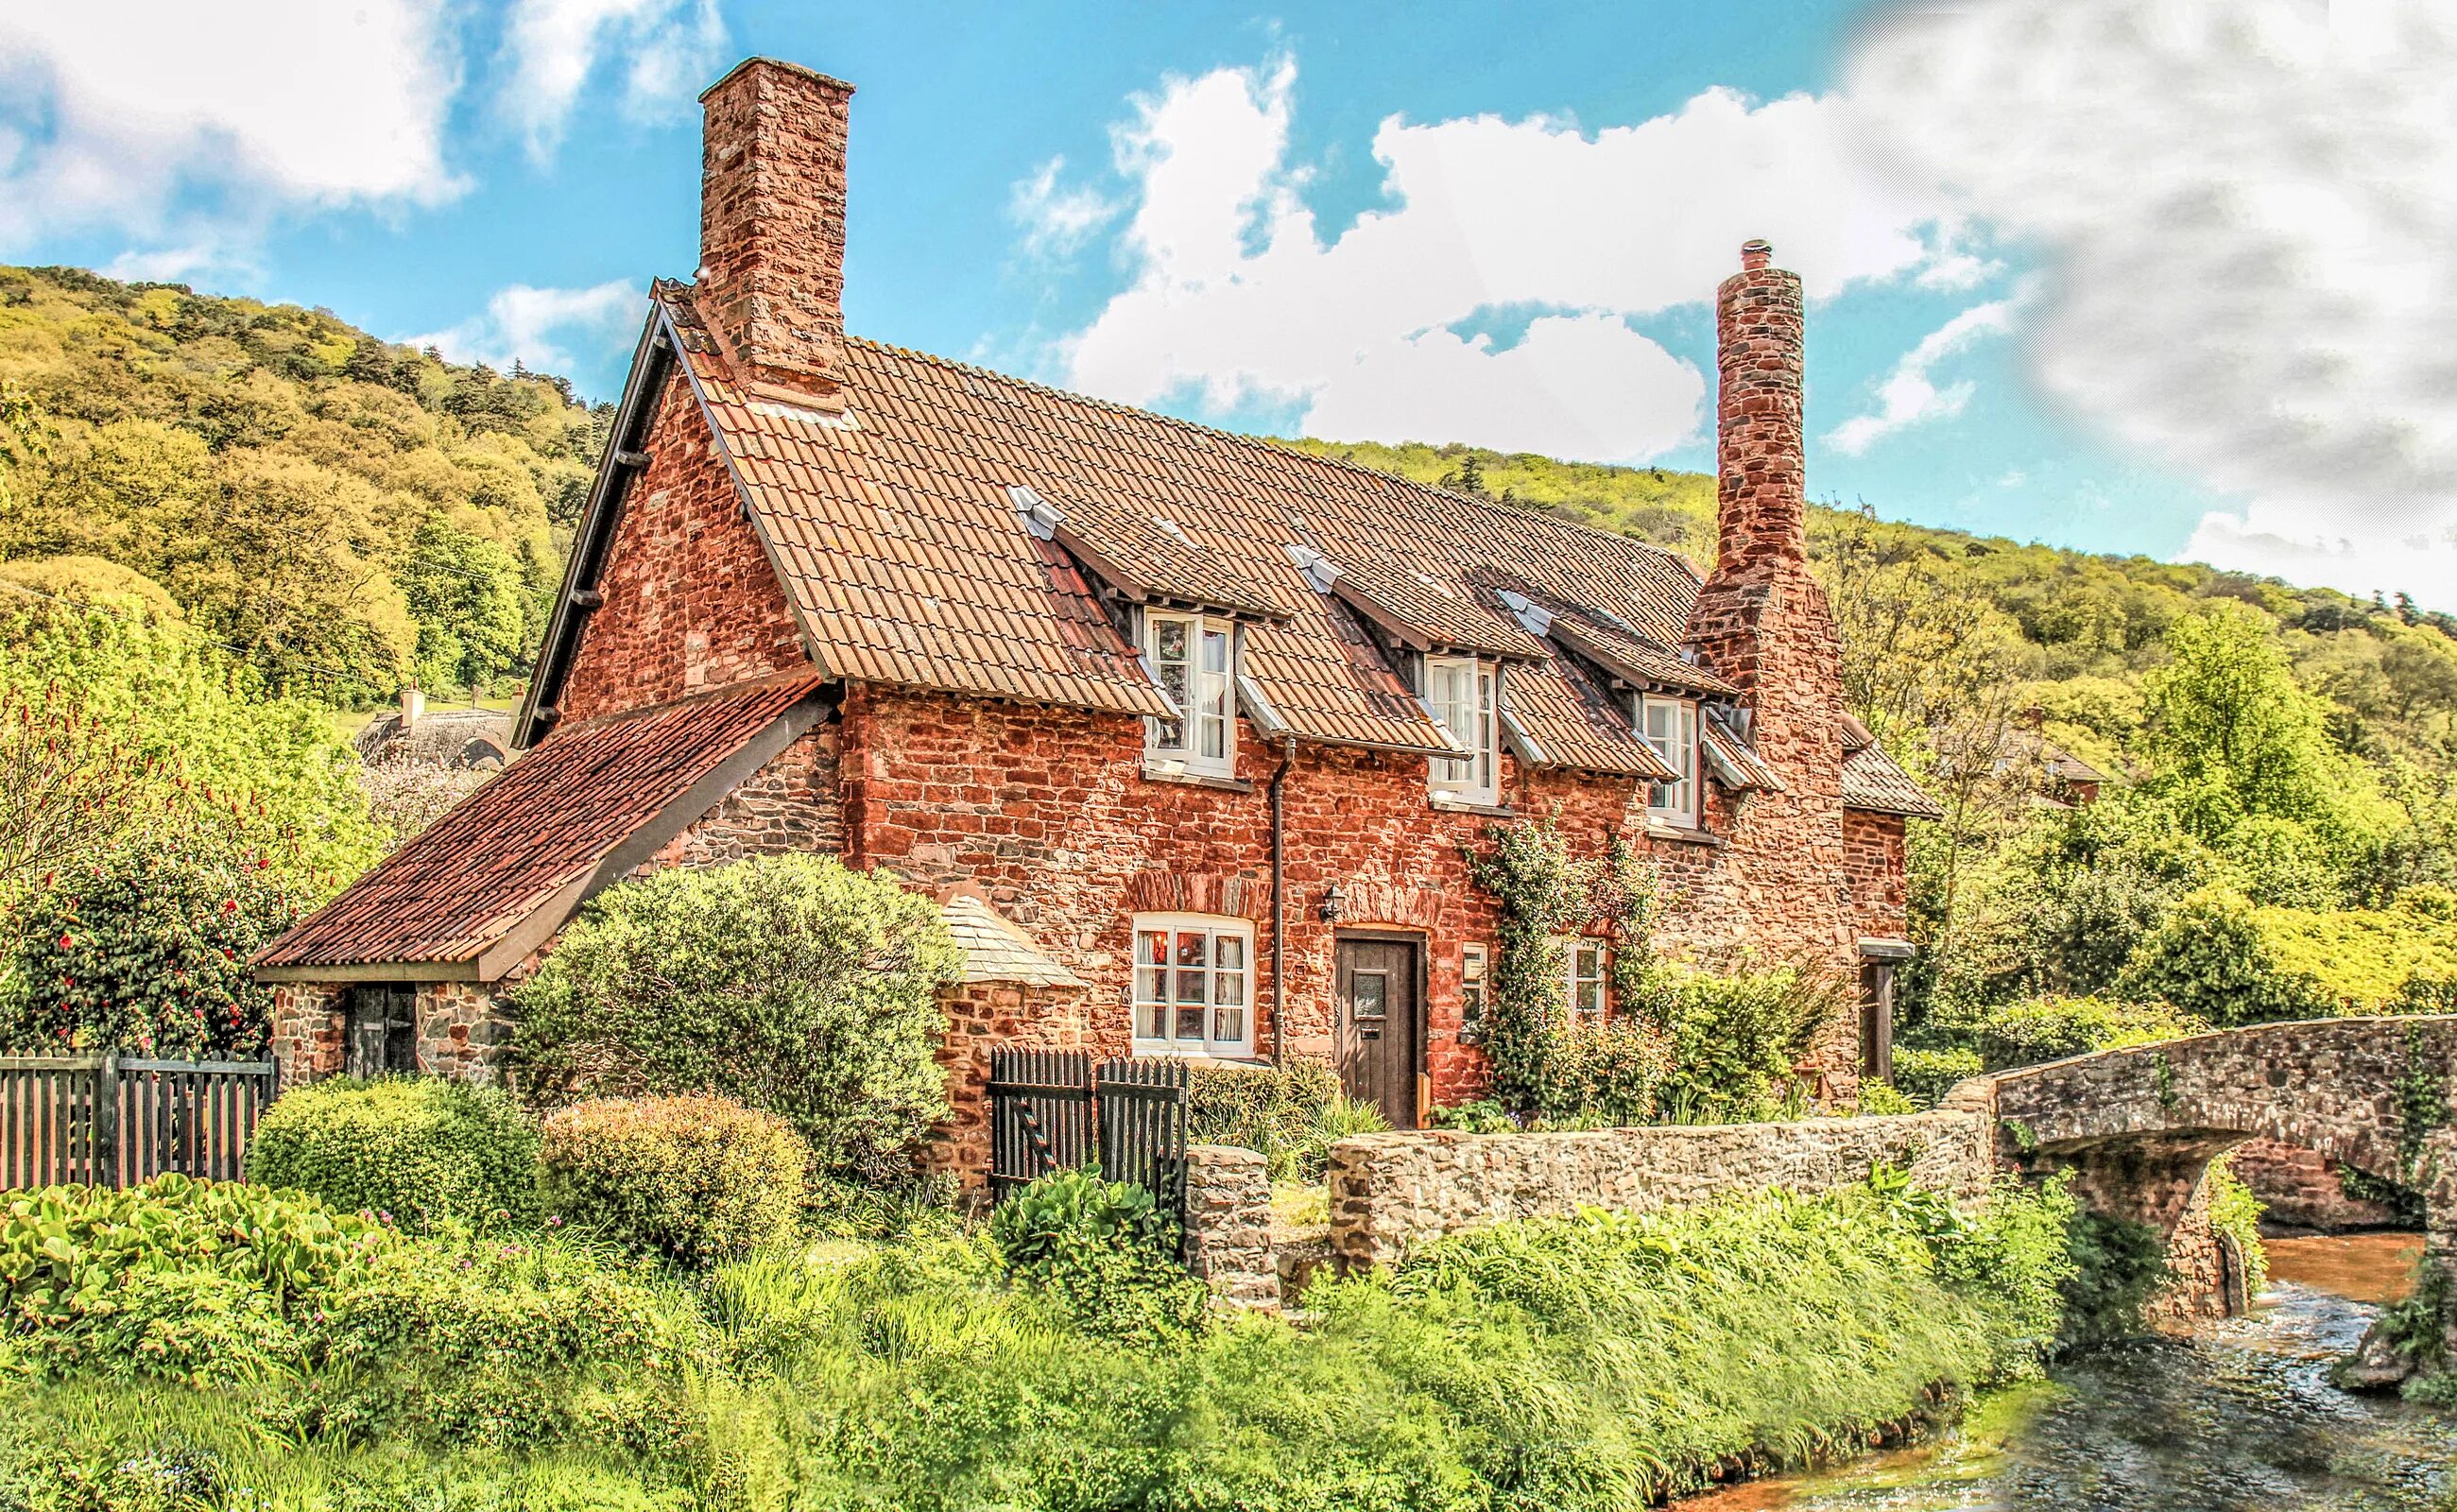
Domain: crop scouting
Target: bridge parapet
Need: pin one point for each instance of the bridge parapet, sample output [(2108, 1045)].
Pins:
[(2138, 1126)]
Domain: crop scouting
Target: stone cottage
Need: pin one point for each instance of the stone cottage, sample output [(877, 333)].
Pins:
[(1189, 732)]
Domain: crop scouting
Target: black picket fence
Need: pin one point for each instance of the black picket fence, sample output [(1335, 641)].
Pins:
[(1053, 1109), (114, 1121)]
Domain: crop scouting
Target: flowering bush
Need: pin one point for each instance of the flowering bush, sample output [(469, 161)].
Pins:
[(145, 952), (696, 1179)]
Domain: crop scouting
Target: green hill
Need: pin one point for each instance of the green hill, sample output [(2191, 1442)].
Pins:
[(343, 513)]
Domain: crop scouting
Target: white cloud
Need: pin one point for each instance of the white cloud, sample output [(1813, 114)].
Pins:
[(550, 48), (532, 325), (108, 111), (1057, 219), (2252, 243), (1909, 395), (1237, 297)]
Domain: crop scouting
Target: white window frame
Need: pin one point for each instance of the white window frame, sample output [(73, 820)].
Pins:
[(1475, 990), (1204, 742), (1589, 978), (1672, 802), (1464, 695), (1170, 988)]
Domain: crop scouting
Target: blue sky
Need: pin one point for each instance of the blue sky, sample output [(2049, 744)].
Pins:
[(1499, 225)]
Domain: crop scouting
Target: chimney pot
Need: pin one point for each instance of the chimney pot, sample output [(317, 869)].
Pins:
[(1755, 253), (413, 706)]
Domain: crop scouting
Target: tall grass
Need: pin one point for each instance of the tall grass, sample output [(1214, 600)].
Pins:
[(1599, 1362)]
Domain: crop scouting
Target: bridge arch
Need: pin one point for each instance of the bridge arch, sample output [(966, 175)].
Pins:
[(2138, 1126)]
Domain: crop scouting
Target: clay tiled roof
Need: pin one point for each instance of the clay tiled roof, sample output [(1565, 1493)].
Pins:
[(513, 858), (910, 560), (1872, 783), (1734, 763)]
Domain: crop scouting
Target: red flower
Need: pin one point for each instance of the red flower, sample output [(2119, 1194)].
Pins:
[(67, 943)]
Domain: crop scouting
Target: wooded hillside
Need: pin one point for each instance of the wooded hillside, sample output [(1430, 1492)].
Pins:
[(344, 513)]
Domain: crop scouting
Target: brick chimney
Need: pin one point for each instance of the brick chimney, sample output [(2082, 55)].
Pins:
[(1763, 621), (1761, 500), (771, 227)]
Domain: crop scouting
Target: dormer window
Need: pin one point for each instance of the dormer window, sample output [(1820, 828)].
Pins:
[(1670, 726), (1192, 657), (1462, 691)]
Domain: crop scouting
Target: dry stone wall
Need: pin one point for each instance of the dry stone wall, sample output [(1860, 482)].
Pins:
[(1391, 1192), (1228, 1224)]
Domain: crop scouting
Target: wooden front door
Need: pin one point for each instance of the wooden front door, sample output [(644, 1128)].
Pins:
[(1381, 1042)]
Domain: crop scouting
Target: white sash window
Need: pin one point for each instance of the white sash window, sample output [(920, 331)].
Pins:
[(1192, 657), (1193, 986), (1461, 692), (1670, 726)]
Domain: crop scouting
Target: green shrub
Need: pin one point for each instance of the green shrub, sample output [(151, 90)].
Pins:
[(2012, 1258), (1882, 1100), (1926, 1074), (1105, 1253), (2119, 1266), (2049, 1028), (421, 1150), (1483, 1117), (1609, 1072), (1292, 1113), (1735, 1038), (695, 1179), (2219, 957), (787, 983), (203, 1283), (67, 1252), (145, 952), (465, 1338)]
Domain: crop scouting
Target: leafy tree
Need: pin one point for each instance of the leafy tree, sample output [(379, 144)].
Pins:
[(69, 787), (470, 603), (787, 983), (2231, 731)]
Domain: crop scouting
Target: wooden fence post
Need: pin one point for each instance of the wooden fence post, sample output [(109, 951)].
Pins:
[(106, 1122)]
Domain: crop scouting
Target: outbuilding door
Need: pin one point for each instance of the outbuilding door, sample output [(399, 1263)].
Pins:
[(1378, 996)]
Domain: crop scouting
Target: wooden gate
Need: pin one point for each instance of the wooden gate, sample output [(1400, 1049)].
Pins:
[(1054, 1109), (110, 1121)]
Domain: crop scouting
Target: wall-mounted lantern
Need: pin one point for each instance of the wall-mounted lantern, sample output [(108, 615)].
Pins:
[(1334, 905)]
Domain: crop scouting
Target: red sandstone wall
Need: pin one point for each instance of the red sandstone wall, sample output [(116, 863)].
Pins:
[(1872, 861), (1047, 811), (691, 600)]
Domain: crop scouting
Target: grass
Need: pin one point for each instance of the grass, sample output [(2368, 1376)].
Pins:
[(1592, 1363)]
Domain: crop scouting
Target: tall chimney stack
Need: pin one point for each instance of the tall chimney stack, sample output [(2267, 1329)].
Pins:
[(1761, 495), (772, 226)]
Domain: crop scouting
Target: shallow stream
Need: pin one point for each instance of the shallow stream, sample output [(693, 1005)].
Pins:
[(2238, 1418)]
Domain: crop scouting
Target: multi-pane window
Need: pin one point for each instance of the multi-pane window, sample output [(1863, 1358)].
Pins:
[(1670, 725), (1472, 990), (1193, 986), (1460, 692), (1192, 658), (1586, 979)]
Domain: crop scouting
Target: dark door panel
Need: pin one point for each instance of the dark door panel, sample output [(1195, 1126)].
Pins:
[(1381, 1044)]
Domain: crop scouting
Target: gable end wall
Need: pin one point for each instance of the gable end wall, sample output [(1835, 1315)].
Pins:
[(691, 600)]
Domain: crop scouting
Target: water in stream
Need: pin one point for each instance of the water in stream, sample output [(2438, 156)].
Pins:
[(2239, 1417)]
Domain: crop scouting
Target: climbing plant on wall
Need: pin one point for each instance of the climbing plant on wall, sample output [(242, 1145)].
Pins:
[(1546, 892)]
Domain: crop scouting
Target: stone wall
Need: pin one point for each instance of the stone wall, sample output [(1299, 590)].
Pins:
[(2305, 1188), (1049, 814), (691, 601), (308, 1030), (982, 1015), (1390, 1192), (1873, 869), (1228, 1225)]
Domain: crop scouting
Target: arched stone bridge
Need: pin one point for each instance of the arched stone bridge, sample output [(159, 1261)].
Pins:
[(2139, 1126)]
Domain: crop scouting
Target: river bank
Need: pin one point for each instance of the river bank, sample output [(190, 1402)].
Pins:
[(2238, 1417)]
